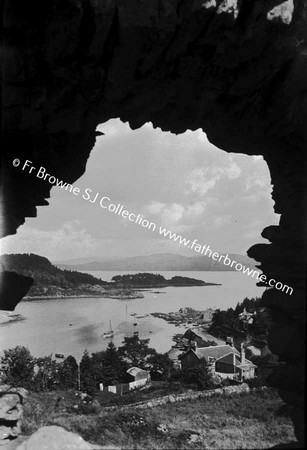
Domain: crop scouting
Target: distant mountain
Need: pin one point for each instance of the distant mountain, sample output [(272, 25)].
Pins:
[(156, 262)]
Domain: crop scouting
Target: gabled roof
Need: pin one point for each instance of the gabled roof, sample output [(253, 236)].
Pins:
[(213, 351), (134, 371), (190, 334), (228, 359)]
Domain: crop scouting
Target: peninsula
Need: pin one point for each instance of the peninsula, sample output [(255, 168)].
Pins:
[(53, 282)]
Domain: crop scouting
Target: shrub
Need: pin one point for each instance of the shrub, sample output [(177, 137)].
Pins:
[(18, 367)]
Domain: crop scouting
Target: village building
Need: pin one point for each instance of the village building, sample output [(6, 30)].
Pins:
[(190, 335), (206, 316), (173, 355), (246, 318), (223, 360), (255, 351), (138, 377)]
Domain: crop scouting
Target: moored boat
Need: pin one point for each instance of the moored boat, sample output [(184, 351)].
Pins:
[(109, 333)]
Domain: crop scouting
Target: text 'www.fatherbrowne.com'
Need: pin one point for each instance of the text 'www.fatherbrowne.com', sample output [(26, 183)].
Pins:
[(105, 203)]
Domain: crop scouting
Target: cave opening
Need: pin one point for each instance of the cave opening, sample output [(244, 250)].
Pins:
[(237, 70)]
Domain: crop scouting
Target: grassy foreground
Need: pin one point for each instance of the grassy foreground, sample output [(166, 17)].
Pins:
[(254, 420)]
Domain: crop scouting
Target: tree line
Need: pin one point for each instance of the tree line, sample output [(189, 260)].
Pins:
[(47, 277), (20, 369), (230, 317)]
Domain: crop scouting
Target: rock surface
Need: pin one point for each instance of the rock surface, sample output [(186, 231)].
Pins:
[(57, 438), (236, 69), (11, 409)]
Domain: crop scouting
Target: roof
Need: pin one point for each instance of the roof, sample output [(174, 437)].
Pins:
[(190, 334), (255, 350), (213, 351), (174, 352), (134, 371), (248, 365)]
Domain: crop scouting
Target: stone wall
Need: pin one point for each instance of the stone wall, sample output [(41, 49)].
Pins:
[(190, 395)]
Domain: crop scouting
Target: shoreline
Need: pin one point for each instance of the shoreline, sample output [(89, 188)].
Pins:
[(119, 293), (9, 318), (63, 297)]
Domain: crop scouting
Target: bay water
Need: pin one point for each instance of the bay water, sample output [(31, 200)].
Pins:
[(69, 326)]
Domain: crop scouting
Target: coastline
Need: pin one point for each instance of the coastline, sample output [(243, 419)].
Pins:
[(9, 317), (94, 295), (118, 293)]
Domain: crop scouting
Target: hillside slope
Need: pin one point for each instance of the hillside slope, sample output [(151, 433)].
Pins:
[(51, 281), (48, 279), (255, 420)]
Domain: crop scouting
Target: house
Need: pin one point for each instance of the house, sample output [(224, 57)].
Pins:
[(223, 360), (189, 335), (255, 351), (246, 318), (173, 355), (206, 316), (138, 377)]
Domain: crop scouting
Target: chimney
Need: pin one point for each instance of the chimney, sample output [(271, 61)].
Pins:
[(229, 341), (193, 345), (242, 353)]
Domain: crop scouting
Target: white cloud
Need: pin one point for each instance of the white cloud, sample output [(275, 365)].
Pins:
[(233, 171), (201, 180), (174, 216), (181, 182), (68, 240)]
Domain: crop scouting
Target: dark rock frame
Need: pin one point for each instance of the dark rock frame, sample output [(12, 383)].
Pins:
[(235, 68)]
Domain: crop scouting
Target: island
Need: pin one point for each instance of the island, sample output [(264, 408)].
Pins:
[(53, 282), (154, 280)]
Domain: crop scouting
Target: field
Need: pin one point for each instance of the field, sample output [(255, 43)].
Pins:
[(255, 420)]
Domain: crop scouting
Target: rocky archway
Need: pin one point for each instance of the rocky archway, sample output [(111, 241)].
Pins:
[(235, 68)]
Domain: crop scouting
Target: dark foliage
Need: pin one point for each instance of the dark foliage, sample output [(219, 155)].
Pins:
[(48, 279), (139, 279), (20, 368), (198, 375)]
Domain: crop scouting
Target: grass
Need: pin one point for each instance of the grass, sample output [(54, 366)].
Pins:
[(239, 421)]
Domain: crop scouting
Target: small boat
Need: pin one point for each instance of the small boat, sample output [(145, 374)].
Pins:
[(108, 334), (135, 324)]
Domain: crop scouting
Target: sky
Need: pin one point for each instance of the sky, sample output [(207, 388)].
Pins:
[(181, 182)]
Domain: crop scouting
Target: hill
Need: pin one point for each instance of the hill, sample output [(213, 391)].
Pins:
[(253, 420), (50, 280), (154, 280), (158, 261)]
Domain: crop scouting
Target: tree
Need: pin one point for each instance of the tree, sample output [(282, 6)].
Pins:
[(68, 373), (200, 375), (160, 366), (46, 376), (87, 374), (18, 367), (136, 351), (113, 366)]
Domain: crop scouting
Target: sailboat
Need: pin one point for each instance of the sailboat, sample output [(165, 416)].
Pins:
[(110, 333)]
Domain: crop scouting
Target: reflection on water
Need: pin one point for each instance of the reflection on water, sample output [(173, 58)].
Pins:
[(72, 325)]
